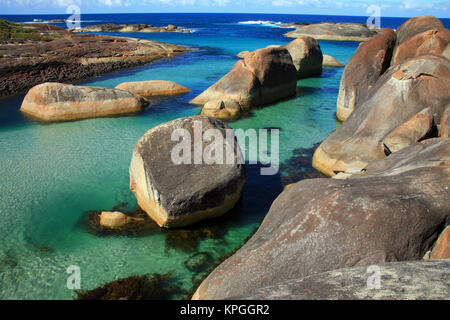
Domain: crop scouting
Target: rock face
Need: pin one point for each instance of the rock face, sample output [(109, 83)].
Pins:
[(369, 62), (113, 219), (445, 123), (417, 25), (441, 249), (434, 42), (243, 54), (53, 54), (263, 77), (397, 99), (329, 61), (408, 280), (334, 31), (306, 55), (326, 224), (226, 110), (153, 88), (112, 27), (179, 193), (61, 102)]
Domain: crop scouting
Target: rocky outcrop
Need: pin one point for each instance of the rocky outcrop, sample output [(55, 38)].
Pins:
[(369, 62), (53, 54), (326, 224), (146, 28), (306, 55), (243, 54), (434, 42), (153, 88), (329, 61), (263, 77), (408, 280), (334, 31), (226, 110), (113, 220), (177, 187), (396, 100), (417, 25), (62, 102)]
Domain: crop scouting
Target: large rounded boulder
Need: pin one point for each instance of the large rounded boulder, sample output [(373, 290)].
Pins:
[(320, 225), (394, 115), (406, 280), (306, 55), (226, 110), (265, 76), (434, 42), (53, 101), (369, 62), (153, 88), (187, 170), (417, 25)]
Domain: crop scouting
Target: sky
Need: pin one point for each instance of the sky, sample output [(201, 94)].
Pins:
[(391, 8)]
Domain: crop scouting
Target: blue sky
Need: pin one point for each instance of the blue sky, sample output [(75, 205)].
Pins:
[(399, 8)]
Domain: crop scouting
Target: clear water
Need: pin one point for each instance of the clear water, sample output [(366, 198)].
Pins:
[(52, 174)]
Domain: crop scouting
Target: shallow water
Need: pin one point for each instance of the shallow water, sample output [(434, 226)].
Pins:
[(52, 174)]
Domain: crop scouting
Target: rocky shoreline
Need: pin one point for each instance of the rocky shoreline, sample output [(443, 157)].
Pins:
[(46, 53), (388, 204), (145, 28)]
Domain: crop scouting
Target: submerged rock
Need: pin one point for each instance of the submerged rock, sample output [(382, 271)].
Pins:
[(329, 61), (396, 101), (61, 102), (369, 62), (199, 261), (146, 287), (113, 219), (263, 77), (408, 280), (225, 110), (153, 88), (177, 187), (306, 55), (320, 225)]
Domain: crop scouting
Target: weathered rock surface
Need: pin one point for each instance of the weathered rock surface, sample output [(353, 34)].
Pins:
[(243, 54), (112, 27), (226, 110), (53, 101), (428, 153), (176, 195), (369, 62), (306, 55), (113, 219), (329, 61), (326, 224), (263, 77), (153, 88), (408, 280), (445, 123), (441, 249), (417, 25), (53, 54), (434, 42), (398, 96), (334, 31)]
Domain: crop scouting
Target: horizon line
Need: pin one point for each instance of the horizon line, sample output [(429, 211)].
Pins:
[(261, 13)]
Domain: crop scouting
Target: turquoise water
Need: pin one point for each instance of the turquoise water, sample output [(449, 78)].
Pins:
[(52, 174)]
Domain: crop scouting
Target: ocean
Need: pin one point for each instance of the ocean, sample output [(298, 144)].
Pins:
[(53, 174)]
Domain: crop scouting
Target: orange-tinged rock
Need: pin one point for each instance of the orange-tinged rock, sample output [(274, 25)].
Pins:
[(153, 88), (441, 249)]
